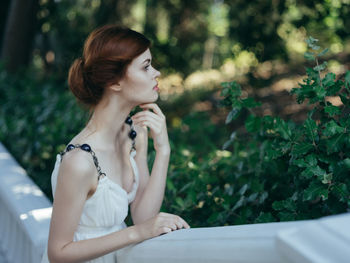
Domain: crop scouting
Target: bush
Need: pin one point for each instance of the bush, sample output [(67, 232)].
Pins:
[(277, 170)]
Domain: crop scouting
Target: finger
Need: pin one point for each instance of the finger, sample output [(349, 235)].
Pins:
[(185, 224), (152, 125), (173, 226), (150, 121), (154, 107), (146, 114), (166, 229), (178, 224)]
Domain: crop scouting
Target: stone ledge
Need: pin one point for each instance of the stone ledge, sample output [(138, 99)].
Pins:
[(25, 213)]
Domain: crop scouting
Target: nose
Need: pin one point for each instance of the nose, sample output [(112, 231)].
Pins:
[(157, 74)]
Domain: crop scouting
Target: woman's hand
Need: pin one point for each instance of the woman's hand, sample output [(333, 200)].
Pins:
[(156, 121), (160, 224)]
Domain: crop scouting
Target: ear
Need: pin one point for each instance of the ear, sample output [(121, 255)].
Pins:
[(116, 87)]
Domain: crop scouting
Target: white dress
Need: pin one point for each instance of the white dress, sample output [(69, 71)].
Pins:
[(104, 212)]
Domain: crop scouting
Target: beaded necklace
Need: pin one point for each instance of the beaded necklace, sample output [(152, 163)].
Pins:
[(85, 147)]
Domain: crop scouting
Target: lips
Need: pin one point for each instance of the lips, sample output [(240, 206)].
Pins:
[(156, 87)]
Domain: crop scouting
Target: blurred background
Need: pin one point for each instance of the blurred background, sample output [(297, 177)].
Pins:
[(196, 45)]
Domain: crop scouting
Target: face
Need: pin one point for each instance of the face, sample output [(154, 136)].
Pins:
[(140, 83)]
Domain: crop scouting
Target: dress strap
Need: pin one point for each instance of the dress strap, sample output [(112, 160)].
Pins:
[(85, 147)]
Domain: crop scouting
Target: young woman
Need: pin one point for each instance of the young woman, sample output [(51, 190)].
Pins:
[(104, 168)]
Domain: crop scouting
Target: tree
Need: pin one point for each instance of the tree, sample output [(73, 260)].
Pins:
[(19, 33)]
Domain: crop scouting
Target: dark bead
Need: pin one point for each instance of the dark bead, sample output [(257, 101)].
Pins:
[(86, 147), (128, 120), (70, 147), (132, 134)]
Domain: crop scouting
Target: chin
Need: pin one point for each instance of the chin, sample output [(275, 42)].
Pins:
[(150, 100)]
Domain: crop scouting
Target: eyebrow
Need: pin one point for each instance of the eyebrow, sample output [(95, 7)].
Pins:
[(147, 60)]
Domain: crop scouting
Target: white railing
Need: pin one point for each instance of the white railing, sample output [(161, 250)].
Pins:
[(25, 214)]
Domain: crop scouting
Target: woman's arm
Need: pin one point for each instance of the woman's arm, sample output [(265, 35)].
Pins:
[(150, 194), (77, 177)]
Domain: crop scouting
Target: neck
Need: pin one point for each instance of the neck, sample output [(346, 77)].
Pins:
[(107, 120)]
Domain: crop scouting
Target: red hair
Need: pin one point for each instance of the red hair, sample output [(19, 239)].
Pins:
[(107, 53)]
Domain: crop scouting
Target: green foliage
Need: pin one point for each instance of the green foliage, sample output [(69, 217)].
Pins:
[(302, 168), (37, 118), (275, 170)]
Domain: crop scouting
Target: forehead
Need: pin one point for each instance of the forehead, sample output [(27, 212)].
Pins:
[(141, 58)]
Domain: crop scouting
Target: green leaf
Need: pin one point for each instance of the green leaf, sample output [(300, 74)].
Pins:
[(347, 79), (328, 80), (320, 92), (250, 103), (307, 173), (341, 191), (332, 128), (287, 204), (300, 149), (309, 56), (285, 216), (323, 52), (224, 91), (311, 128), (243, 189), (334, 144), (264, 218), (311, 160), (327, 178), (180, 202), (314, 191), (253, 123), (300, 163), (321, 66), (232, 115), (282, 128), (332, 110), (318, 171), (344, 99)]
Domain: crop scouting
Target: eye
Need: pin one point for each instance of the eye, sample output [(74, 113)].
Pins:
[(146, 68)]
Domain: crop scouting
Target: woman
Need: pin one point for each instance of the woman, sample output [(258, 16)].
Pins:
[(104, 167)]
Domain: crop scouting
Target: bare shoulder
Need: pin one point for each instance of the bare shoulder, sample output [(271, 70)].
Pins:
[(77, 167)]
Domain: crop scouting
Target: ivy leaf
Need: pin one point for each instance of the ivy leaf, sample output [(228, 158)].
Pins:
[(314, 191), (332, 110)]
